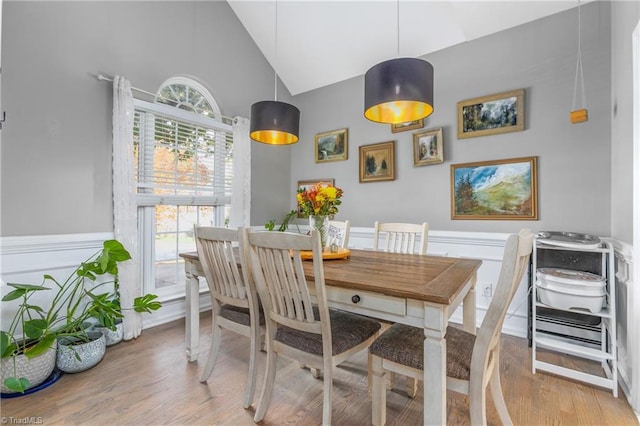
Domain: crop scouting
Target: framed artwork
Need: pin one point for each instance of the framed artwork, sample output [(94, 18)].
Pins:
[(490, 115), (332, 146), (409, 125), (306, 184), (377, 162), (499, 189), (427, 147)]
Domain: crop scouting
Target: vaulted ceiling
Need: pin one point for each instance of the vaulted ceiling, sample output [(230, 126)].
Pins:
[(321, 42)]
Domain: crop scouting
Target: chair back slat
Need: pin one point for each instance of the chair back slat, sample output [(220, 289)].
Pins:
[(338, 233), (226, 281), (407, 238), (280, 278)]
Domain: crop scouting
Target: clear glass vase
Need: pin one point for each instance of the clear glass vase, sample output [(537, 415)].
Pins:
[(321, 224)]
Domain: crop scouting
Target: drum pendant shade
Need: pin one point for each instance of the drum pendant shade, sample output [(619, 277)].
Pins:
[(398, 90), (274, 123)]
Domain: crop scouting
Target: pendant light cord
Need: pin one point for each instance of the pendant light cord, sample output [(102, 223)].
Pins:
[(275, 72), (579, 67), (398, 28)]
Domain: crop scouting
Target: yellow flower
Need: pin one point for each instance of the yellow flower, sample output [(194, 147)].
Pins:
[(330, 192), (320, 199)]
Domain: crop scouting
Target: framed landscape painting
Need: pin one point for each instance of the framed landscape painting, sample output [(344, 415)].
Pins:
[(377, 162), (427, 147), (332, 146), (499, 189), (490, 115), (409, 125)]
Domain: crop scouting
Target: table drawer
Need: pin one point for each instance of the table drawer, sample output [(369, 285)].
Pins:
[(367, 300)]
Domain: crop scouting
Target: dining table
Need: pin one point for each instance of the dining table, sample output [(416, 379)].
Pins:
[(418, 290)]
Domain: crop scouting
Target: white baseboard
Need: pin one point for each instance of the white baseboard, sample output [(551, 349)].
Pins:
[(173, 310)]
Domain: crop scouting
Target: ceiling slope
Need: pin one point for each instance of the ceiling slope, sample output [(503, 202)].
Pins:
[(321, 42)]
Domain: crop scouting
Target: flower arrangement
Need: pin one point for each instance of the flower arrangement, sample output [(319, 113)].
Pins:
[(319, 200)]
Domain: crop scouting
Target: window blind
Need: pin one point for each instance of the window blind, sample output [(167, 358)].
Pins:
[(181, 158)]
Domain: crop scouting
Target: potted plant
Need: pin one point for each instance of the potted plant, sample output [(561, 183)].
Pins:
[(83, 303), (106, 310), (27, 347), (107, 314), (75, 302), (78, 347)]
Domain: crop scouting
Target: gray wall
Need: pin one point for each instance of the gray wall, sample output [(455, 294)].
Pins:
[(56, 143), (626, 15), (574, 160), (55, 165)]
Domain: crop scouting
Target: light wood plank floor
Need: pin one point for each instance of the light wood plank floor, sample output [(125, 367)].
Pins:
[(149, 382)]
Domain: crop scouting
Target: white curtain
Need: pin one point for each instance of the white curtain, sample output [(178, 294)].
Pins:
[(241, 199), (125, 221)]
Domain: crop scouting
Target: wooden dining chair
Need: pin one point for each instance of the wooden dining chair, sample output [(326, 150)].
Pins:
[(234, 300), (401, 237), (410, 238), (297, 328), (473, 361), (338, 233)]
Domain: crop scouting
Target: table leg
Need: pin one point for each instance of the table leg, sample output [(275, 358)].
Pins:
[(192, 319), (435, 367), (469, 309)]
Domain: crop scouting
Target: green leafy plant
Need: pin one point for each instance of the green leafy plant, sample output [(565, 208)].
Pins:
[(74, 303), (288, 218), (106, 308), (37, 336)]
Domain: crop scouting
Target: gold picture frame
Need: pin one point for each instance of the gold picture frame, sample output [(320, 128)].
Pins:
[(305, 184), (409, 125), (428, 147), (377, 162), (499, 189), (491, 115), (332, 146)]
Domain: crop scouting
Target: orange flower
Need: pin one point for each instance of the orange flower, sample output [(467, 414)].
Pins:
[(320, 199)]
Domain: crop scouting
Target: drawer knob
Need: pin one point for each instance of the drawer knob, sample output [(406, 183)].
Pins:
[(355, 298)]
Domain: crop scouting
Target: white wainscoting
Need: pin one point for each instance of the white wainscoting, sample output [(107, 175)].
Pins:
[(26, 259), (627, 318)]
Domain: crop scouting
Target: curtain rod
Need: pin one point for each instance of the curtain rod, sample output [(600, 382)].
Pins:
[(103, 77)]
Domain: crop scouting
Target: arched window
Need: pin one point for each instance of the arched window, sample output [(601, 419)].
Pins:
[(188, 94), (184, 155)]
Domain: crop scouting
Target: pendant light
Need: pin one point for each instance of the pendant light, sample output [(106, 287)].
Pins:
[(398, 90), (579, 115), (274, 122)]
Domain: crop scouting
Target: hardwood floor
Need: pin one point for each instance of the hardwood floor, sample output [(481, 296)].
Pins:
[(149, 382)]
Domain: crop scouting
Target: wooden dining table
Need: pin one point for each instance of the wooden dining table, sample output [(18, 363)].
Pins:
[(418, 290)]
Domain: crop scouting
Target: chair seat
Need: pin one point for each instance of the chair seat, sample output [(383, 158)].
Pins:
[(239, 314), (347, 331), (401, 348), (403, 344)]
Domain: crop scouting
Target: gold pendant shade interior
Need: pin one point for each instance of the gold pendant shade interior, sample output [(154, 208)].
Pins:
[(398, 91)]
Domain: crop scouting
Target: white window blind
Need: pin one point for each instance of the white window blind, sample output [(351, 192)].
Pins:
[(182, 158)]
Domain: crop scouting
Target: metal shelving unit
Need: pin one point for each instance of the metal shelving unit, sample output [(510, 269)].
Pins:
[(603, 351)]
